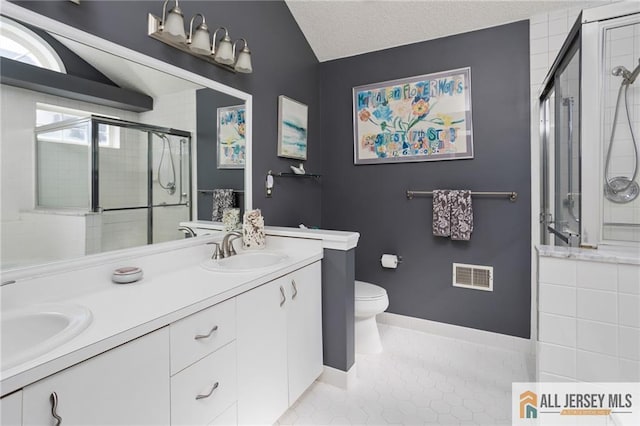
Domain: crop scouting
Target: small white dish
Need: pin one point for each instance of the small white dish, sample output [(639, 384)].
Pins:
[(126, 275)]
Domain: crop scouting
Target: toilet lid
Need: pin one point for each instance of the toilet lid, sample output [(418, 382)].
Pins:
[(367, 291)]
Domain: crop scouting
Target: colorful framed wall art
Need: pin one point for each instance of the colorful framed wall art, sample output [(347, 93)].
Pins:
[(423, 118), (292, 128), (231, 140)]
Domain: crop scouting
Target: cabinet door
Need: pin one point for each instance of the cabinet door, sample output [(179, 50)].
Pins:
[(128, 385), (304, 329), (11, 409), (262, 353)]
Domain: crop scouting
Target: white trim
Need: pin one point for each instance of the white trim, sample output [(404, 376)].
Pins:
[(35, 45), (472, 335), (341, 379), (58, 28), (334, 240)]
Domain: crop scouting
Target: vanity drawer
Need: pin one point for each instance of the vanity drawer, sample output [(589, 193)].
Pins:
[(200, 334), (200, 379)]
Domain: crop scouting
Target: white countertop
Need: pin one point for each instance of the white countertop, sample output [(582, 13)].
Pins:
[(174, 286), (335, 240), (608, 254)]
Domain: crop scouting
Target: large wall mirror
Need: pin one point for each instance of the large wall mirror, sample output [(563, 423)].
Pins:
[(106, 149)]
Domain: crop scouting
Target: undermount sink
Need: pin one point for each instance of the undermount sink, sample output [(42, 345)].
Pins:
[(32, 331), (248, 261)]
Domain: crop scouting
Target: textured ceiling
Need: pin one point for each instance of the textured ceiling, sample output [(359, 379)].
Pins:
[(337, 29)]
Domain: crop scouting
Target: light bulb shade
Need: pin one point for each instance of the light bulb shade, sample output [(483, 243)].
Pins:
[(243, 64), (224, 52), (174, 26), (200, 42)]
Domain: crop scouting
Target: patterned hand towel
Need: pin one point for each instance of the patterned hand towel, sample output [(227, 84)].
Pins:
[(441, 213), (461, 215), (222, 199)]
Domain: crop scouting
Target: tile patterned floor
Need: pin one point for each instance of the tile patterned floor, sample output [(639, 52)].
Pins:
[(420, 379)]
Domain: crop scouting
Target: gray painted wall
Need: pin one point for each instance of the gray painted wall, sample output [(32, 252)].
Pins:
[(209, 175), (283, 63), (371, 199)]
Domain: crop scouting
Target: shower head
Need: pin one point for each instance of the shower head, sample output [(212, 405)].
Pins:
[(628, 77), (620, 70)]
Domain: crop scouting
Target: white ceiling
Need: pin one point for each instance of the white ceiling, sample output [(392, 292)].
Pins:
[(337, 29)]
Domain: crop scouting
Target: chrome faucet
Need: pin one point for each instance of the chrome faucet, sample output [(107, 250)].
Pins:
[(188, 231), (227, 243)]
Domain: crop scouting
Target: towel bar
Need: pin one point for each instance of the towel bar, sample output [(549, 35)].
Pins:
[(513, 196)]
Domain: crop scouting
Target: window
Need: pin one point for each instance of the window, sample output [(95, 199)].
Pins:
[(75, 133), (19, 43)]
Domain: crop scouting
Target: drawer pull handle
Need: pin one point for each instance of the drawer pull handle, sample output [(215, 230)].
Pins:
[(54, 408), (215, 386), (205, 336), (284, 298), (295, 289)]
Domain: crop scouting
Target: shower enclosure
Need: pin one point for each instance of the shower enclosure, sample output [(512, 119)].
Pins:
[(590, 119), (133, 179)]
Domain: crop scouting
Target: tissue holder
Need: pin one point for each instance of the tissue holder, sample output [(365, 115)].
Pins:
[(253, 236)]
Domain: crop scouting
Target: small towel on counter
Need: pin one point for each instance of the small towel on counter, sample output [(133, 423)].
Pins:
[(222, 199), (441, 213), (461, 214)]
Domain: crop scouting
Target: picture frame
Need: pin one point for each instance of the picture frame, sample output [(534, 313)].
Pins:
[(421, 118), (292, 128), (231, 144)]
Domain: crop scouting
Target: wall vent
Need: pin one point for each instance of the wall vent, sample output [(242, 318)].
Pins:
[(477, 277)]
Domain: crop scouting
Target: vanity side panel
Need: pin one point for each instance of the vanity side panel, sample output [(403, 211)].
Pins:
[(338, 276)]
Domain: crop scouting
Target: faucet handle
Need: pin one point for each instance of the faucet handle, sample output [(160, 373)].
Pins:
[(217, 253)]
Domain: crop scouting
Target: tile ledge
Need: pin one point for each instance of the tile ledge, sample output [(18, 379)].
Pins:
[(606, 254)]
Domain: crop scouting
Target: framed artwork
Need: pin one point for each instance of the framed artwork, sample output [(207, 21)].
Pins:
[(423, 118), (231, 141), (292, 129)]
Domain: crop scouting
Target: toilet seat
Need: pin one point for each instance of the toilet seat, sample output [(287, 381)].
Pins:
[(366, 291)]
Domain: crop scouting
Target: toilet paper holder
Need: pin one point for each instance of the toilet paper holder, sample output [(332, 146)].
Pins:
[(387, 256)]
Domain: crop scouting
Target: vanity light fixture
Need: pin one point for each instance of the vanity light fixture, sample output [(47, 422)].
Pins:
[(172, 25), (198, 42), (219, 51)]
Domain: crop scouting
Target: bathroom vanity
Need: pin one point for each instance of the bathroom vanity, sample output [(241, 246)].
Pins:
[(185, 345)]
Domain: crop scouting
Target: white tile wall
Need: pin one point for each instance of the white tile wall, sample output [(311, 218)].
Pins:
[(597, 305), (588, 325), (598, 276), (557, 271), (557, 299), (622, 47)]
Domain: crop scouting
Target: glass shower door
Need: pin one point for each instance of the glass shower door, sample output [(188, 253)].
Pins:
[(561, 161)]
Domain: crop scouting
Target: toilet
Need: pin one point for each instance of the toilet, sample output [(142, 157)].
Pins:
[(370, 300)]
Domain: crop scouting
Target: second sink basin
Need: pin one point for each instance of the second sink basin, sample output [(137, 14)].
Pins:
[(248, 261), (32, 331)]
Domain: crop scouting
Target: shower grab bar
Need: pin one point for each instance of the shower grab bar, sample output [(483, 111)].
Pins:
[(513, 196)]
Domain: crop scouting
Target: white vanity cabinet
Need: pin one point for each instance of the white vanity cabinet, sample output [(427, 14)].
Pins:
[(279, 344), (125, 386), (203, 366), (11, 409)]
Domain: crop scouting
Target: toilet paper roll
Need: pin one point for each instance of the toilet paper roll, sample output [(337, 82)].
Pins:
[(389, 261)]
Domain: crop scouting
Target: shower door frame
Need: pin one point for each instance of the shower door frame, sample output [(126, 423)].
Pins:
[(96, 120), (549, 184), (594, 24)]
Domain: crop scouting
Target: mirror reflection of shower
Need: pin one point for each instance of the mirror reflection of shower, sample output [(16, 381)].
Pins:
[(169, 166), (622, 189)]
